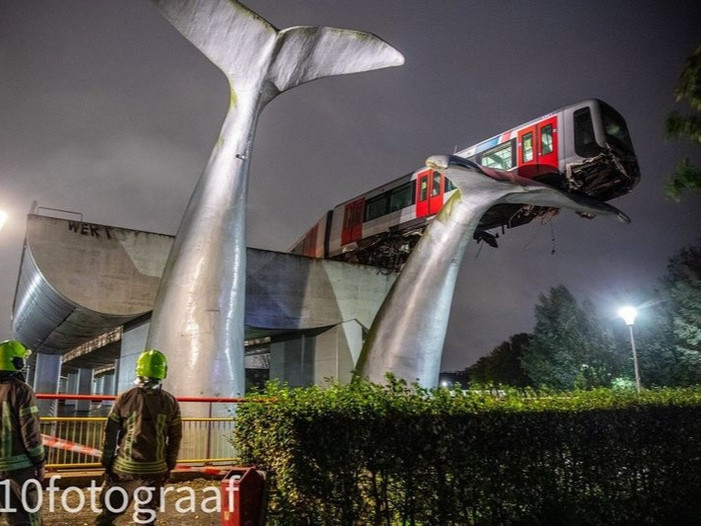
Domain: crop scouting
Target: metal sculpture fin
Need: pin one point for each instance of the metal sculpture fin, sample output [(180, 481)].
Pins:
[(300, 54), (308, 53), (214, 26)]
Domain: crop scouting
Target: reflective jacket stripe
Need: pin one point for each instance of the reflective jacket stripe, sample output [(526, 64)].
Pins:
[(7, 432), (28, 410), (143, 468)]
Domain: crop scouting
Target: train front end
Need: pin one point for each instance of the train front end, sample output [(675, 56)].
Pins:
[(599, 158)]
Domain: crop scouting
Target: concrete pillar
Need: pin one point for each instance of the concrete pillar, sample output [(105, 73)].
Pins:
[(47, 373), (108, 388), (308, 360), (291, 361), (29, 374), (133, 344), (71, 388), (108, 384), (85, 386), (336, 352), (117, 372)]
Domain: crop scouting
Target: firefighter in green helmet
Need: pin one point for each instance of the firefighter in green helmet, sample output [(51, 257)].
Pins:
[(141, 442), (22, 455)]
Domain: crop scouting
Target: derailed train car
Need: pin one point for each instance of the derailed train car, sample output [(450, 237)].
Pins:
[(583, 148)]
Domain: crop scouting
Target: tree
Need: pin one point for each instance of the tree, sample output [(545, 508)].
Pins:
[(687, 176), (502, 366), (682, 285), (570, 347), (668, 332)]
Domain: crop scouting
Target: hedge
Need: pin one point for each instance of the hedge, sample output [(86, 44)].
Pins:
[(368, 454)]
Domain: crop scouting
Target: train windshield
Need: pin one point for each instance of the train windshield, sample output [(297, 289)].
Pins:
[(584, 139), (615, 128)]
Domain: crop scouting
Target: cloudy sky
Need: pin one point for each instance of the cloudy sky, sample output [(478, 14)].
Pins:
[(106, 111)]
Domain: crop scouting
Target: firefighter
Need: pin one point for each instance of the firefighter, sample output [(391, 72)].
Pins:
[(141, 442), (21, 451)]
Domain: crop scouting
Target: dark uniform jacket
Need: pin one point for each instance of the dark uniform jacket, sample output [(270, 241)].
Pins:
[(20, 439), (143, 433)]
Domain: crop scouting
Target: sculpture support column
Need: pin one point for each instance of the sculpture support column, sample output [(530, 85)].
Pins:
[(198, 315), (407, 335)]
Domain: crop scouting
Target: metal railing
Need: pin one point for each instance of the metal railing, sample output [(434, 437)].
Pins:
[(75, 441)]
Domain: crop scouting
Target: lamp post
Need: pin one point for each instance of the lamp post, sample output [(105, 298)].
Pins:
[(628, 314)]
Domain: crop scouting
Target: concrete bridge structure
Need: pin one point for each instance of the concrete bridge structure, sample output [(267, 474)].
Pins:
[(85, 293)]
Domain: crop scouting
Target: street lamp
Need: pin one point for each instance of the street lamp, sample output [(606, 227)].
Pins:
[(3, 218), (628, 314)]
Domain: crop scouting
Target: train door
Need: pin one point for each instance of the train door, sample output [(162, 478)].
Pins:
[(527, 160), (352, 222), (429, 193), (547, 146), (537, 149), (435, 200)]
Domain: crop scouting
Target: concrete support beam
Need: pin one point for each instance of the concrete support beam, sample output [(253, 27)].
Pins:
[(108, 385), (85, 386), (71, 388), (133, 344), (309, 359), (47, 374)]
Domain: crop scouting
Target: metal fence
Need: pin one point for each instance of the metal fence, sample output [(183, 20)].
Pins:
[(75, 441)]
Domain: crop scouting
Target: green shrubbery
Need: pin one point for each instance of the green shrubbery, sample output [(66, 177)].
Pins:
[(366, 454)]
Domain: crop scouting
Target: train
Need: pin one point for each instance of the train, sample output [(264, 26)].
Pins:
[(582, 148)]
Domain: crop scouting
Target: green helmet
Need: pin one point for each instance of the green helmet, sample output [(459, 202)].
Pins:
[(13, 355), (152, 364)]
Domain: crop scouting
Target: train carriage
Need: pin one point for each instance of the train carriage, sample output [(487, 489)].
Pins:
[(582, 148)]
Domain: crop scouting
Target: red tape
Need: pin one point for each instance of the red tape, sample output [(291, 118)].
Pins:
[(66, 445)]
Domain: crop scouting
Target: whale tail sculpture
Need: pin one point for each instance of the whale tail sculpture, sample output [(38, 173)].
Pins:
[(198, 316), (243, 45), (406, 337)]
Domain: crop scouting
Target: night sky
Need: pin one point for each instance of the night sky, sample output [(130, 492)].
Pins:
[(107, 111)]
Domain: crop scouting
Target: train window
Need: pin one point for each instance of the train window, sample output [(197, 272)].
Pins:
[(584, 139), (376, 207), (401, 197), (500, 157), (615, 128), (527, 150), (423, 190), (449, 186), (546, 139), (436, 186)]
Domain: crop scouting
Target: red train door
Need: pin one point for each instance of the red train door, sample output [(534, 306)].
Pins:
[(537, 149), (526, 151), (435, 200), (429, 193), (352, 222), (548, 161)]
